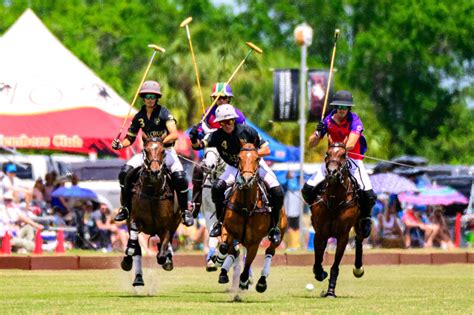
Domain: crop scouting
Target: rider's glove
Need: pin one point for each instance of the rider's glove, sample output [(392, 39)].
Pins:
[(116, 144), (319, 128), (194, 134)]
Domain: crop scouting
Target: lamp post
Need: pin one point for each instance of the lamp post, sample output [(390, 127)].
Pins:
[(303, 37)]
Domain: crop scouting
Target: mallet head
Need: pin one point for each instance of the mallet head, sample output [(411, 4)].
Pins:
[(254, 47), (336, 34), (156, 48), (186, 22)]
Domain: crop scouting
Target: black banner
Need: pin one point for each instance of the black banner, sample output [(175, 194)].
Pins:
[(285, 94), (317, 85)]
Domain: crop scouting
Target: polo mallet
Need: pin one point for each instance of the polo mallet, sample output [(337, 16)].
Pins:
[(185, 24), (336, 35), (155, 49), (253, 48)]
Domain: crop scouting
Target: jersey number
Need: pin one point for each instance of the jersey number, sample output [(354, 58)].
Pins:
[(224, 144), (142, 122)]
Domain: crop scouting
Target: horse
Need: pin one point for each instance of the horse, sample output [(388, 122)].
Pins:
[(334, 214), (247, 221), (153, 210)]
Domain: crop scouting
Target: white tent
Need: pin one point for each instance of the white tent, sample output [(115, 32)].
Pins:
[(49, 98)]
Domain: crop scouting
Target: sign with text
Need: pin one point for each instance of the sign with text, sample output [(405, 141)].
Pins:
[(285, 94), (317, 86)]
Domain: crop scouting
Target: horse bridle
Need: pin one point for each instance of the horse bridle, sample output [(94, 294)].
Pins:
[(253, 173), (340, 165), (149, 161)]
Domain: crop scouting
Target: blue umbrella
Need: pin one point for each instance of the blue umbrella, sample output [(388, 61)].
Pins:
[(391, 183), (74, 192)]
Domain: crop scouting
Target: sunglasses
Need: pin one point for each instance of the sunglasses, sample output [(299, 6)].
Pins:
[(150, 96), (227, 122), (342, 107)]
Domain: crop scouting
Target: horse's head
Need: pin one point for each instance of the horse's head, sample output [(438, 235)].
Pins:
[(154, 153), (335, 160), (248, 164)]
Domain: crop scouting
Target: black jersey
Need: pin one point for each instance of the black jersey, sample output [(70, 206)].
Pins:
[(153, 127), (228, 144)]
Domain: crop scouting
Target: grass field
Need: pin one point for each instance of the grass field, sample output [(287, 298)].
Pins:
[(447, 289)]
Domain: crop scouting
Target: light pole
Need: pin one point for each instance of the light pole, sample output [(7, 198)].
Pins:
[(303, 37)]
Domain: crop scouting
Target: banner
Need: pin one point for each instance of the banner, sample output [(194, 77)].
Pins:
[(317, 85), (285, 94)]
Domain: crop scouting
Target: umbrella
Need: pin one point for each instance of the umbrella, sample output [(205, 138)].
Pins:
[(74, 192), (391, 183), (434, 195)]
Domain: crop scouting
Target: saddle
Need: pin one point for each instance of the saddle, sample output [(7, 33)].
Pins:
[(260, 206)]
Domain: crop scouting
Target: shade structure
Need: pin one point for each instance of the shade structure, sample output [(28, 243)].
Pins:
[(391, 183), (434, 195)]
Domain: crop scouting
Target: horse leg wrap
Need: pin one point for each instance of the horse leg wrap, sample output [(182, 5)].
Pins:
[(132, 244), (228, 262), (267, 262), (137, 261)]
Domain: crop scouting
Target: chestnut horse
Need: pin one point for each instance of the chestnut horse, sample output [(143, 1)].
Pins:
[(247, 220), (334, 214), (153, 210)]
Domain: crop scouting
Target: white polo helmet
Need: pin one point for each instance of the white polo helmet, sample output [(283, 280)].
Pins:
[(225, 112), (150, 87)]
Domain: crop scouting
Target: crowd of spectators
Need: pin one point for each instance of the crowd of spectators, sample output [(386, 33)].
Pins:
[(88, 224)]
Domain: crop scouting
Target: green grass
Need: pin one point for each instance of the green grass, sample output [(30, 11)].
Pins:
[(446, 289)]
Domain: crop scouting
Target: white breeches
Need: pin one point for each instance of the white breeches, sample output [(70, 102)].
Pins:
[(171, 160), (357, 169), (264, 172)]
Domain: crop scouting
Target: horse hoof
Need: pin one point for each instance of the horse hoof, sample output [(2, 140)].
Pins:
[(223, 278), (330, 294), (168, 265), (161, 260), (261, 285), (127, 263), (358, 272), (138, 281), (321, 276)]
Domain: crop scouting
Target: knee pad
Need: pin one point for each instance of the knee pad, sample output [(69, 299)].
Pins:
[(124, 170), (308, 193), (180, 183), (368, 197), (198, 172), (224, 248), (218, 190), (277, 196)]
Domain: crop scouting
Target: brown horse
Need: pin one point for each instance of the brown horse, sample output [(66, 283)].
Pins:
[(154, 211), (334, 214), (247, 220)]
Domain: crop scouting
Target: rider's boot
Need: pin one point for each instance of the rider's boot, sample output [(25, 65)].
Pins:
[(125, 193), (180, 185), (198, 178), (277, 197), (366, 202), (218, 197)]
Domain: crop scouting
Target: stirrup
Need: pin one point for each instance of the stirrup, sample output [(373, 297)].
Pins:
[(188, 219), (122, 215), (216, 230), (274, 235)]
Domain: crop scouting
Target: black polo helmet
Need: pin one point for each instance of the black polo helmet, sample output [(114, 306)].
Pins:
[(343, 98)]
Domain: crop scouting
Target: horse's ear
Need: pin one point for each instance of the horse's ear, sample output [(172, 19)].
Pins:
[(242, 142), (331, 142)]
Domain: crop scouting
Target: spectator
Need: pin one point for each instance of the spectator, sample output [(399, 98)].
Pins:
[(442, 237), (391, 234), (48, 188), (12, 183), (293, 206), (10, 218), (414, 225), (101, 227)]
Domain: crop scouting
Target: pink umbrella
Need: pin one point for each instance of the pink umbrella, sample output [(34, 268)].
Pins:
[(434, 195)]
